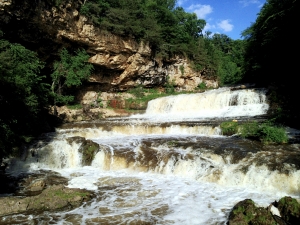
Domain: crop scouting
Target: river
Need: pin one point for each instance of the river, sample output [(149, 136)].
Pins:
[(170, 165)]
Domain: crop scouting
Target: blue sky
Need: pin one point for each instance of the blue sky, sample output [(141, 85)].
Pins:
[(228, 17)]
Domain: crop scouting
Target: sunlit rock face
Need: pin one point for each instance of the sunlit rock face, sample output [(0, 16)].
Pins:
[(120, 62)]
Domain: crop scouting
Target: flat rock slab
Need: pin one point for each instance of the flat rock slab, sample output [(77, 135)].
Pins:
[(53, 198)]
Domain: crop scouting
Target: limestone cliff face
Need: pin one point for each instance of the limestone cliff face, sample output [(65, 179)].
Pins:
[(120, 62)]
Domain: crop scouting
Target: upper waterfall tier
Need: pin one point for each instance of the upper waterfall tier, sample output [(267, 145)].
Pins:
[(221, 102)]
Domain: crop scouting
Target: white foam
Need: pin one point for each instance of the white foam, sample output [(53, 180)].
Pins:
[(220, 102), (188, 201)]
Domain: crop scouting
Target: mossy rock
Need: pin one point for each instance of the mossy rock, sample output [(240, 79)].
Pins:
[(54, 198), (289, 209), (245, 213), (88, 149)]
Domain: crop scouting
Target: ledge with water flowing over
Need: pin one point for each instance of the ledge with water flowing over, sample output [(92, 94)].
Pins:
[(170, 165), (218, 103)]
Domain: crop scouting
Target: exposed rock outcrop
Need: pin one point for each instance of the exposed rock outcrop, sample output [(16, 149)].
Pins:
[(40, 192), (120, 62), (56, 197)]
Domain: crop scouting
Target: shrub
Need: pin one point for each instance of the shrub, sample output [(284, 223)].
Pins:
[(250, 129), (271, 134), (137, 91), (202, 86), (170, 86), (265, 132), (181, 69), (229, 127)]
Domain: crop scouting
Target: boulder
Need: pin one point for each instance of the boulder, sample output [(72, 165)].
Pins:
[(289, 209), (53, 198), (246, 212)]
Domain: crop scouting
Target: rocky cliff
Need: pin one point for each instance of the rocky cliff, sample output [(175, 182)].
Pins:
[(120, 62)]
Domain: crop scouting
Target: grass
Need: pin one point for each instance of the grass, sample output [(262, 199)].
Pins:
[(143, 96), (75, 106)]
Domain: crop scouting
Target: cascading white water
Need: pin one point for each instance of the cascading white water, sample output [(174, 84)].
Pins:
[(215, 103), (182, 173)]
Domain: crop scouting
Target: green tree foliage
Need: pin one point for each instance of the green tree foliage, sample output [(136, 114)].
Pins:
[(268, 44), (270, 57), (222, 57), (69, 72), (23, 94), (170, 31)]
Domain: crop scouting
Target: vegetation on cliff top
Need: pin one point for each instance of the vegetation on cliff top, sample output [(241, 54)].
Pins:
[(170, 30)]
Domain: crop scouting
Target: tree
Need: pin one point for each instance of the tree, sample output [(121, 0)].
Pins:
[(271, 49), (69, 72), (23, 95)]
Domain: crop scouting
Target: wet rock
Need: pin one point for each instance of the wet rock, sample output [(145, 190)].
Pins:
[(54, 198), (34, 184), (12, 205), (88, 149), (37, 185), (243, 86), (284, 212), (289, 209), (245, 212)]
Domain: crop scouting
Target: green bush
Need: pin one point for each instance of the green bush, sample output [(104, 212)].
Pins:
[(181, 69), (202, 86), (138, 91), (229, 127), (250, 129), (170, 86), (265, 132), (68, 73), (271, 134)]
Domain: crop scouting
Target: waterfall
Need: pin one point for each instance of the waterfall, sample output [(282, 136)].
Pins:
[(170, 165), (221, 102)]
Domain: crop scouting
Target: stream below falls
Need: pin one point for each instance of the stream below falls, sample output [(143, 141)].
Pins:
[(170, 165)]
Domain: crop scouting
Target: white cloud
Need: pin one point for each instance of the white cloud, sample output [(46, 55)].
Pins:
[(201, 10), (225, 25), (180, 2), (249, 2), (209, 26)]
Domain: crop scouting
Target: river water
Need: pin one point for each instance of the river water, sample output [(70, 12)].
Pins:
[(170, 165)]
